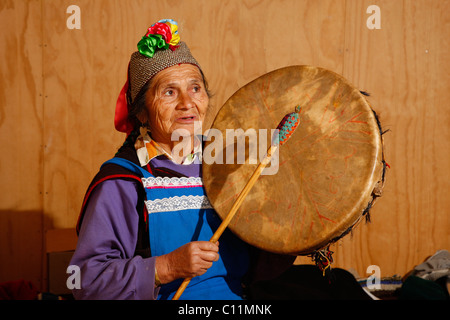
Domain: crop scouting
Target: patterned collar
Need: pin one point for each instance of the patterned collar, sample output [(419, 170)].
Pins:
[(147, 149)]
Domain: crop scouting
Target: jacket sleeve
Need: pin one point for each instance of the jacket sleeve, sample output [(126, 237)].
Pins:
[(106, 245)]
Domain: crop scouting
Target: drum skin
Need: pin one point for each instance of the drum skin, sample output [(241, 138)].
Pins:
[(327, 171)]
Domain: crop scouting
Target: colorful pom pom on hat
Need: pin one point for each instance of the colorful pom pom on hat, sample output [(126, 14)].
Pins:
[(159, 49)]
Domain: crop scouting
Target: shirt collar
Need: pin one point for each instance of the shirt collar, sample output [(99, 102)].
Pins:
[(147, 149)]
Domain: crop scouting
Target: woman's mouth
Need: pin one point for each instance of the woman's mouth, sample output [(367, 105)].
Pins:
[(187, 119)]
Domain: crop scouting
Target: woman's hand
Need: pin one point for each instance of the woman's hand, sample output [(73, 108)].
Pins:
[(188, 261)]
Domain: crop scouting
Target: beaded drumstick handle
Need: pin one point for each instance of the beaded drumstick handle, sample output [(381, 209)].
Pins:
[(286, 127)]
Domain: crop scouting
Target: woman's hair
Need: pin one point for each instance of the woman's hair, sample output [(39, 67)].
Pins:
[(139, 103)]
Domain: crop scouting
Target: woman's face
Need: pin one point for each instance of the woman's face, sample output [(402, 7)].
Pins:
[(176, 99)]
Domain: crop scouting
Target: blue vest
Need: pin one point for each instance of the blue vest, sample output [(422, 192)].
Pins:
[(180, 212)]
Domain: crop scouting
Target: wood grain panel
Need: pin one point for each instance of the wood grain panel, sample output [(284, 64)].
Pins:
[(402, 66), (59, 89), (21, 105), (21, 126), (79, 103)]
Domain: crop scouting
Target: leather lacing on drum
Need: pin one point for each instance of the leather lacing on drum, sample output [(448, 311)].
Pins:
[(323, 258)]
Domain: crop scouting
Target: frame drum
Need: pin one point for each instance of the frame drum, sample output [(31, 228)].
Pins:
[(326, 176)]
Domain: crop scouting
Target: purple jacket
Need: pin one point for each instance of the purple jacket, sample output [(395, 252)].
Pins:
[(108, 237), (106, 245)]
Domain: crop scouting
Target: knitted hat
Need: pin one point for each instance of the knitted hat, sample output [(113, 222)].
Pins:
[(159, 49), (142, 69)]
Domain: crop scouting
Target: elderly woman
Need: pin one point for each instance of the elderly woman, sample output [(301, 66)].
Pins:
[(146, 221)]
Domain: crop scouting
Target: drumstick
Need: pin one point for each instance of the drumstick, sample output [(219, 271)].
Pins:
[(286, 127)]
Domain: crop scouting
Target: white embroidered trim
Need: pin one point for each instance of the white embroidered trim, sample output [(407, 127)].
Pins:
[(171, 182), (178, 203)]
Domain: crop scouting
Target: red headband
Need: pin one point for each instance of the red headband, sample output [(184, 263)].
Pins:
[(121, 121)]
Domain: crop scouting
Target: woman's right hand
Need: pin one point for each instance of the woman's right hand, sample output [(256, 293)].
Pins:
[(188, 261)]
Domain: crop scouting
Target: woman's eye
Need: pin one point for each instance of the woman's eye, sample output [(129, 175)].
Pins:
[(168, 92)]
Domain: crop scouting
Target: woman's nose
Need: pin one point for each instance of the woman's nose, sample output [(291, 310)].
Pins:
[(185, 101)]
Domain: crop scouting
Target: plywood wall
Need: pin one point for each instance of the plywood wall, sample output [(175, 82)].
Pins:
[(59, 87)]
